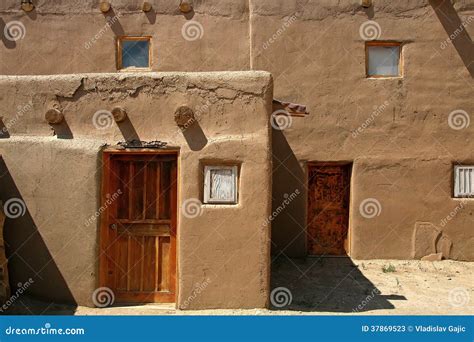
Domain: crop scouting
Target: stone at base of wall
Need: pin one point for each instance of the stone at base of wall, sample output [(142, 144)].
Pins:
[(433, 257), (430, 243), (4, 286)]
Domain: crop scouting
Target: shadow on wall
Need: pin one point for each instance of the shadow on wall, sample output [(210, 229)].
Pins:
[(4, 134), (62, 130), (324, 285), (288, 200), (27, 253), (9, 44), (195, 137), (456, 32), (112, 19), (128, 130)]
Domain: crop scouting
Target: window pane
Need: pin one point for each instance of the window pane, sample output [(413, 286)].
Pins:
[(384, 60), (463, 181), (222, 185), (135, 53)]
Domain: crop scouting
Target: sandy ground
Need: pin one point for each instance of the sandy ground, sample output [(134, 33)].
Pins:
[(330, 286)]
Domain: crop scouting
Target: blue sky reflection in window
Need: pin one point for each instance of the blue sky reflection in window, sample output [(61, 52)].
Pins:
[(135, 54)]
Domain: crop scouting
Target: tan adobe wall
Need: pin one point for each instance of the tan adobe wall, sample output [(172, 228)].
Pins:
[(395, 131), (316, 54), (59, 179), (66, 36)]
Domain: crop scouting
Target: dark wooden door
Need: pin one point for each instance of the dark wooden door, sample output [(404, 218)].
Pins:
[(139, 230), (328, 209)]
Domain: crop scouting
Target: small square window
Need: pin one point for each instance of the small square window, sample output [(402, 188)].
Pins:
[(463, 181), (134, 53), (220, 184), (383, 59)]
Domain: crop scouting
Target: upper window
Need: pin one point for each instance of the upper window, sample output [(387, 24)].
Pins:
[(134, 53), (220, 184), (383, 59), (463, 181)]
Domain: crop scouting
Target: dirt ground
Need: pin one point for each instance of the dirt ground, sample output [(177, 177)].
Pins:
[(330, 286)]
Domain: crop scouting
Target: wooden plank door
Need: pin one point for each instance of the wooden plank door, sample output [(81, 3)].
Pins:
[(139, 232), (328, 209)]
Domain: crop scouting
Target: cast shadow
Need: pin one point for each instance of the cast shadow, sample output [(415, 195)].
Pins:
[(188, 15), (114, 22), (62, 130), (29, 257), (9, 44), (151, 16), (369, 11), (456, 32), (4, 134), (128, 131), (195, 137), (33, 14), (289, 179), (327, 284)]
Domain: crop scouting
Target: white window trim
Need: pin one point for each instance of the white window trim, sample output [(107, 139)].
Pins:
[(207, 184), (457, 182)]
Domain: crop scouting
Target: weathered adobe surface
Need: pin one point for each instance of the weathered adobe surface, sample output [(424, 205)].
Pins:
[(59, 179), (319, 60), (394, 131), (30, 97)]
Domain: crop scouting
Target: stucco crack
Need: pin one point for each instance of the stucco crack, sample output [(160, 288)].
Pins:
[(73, 95)]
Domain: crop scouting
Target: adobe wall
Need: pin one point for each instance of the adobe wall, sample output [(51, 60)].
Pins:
[(394, 131), (65, 37), (316, 54), (227, 246)]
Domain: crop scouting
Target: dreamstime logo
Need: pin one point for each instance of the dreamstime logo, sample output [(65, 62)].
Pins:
[(444, 221), (281, 120), (370, 207), (14, 208), (280, 297), (192, 30), (456, 32), (366, 300), (103, 119), (197, 117), (376, 112), (108, 202), (103, 297), (280, 31), (458, 297), (110, 22), (370, 30), (458, 119), (14, 30), (196, 292), (21, 288), (287, 200), (192, 208)]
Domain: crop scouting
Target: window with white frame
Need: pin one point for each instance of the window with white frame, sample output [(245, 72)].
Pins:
[(220, 184), (464, 181)]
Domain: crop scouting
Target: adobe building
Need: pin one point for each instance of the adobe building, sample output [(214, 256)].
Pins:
[(146, 158)]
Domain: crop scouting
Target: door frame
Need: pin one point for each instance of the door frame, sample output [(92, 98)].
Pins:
[(350, 165), (103, 227)]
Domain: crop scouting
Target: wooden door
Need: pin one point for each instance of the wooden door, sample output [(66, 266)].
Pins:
[(139, 230), (328, 209)]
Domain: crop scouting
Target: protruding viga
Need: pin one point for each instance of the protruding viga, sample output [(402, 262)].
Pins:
[(119, 113), (54, 116)]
